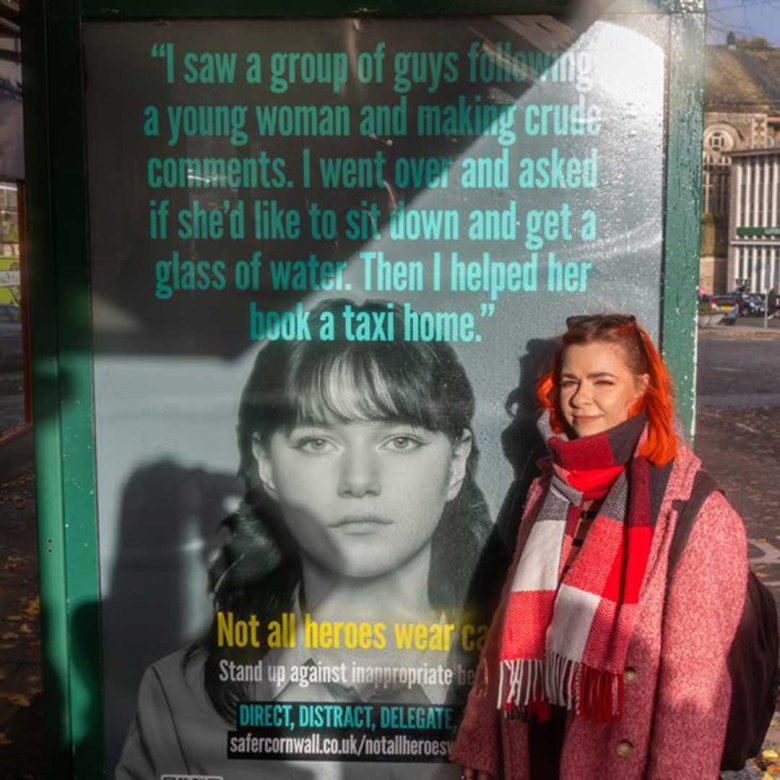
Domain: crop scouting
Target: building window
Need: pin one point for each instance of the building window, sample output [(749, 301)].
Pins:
[(718, 141)]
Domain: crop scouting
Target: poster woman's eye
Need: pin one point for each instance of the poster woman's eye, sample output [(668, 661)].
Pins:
[(314, 445), (403, 443)]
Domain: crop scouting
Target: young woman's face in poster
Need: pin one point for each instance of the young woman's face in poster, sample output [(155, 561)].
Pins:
[(362, 498)]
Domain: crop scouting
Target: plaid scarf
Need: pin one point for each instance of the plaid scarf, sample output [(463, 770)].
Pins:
[(566, 634)]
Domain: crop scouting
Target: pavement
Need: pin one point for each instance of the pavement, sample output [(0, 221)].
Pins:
[(738, 438), (21, 699)]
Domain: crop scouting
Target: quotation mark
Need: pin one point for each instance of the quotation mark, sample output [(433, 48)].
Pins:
[(161, 50), (164, 51), (487, 309)]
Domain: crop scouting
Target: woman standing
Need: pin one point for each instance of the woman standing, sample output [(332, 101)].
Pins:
[(593, 667)]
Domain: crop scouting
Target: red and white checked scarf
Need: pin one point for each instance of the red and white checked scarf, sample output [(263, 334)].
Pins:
[(566, 634)]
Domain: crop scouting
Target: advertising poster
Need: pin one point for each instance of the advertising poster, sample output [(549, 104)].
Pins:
[(327, 257)]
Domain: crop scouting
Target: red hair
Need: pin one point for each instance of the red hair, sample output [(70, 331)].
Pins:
[(642, 357)]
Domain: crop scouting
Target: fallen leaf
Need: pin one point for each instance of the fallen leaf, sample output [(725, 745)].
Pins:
[(33, 608), (18, 699)]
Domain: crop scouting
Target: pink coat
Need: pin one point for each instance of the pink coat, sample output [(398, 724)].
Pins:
[(677, 690)]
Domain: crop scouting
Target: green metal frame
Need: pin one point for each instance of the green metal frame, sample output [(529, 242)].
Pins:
[(61, 306), (682, 223), (43, 307), (62, 387)]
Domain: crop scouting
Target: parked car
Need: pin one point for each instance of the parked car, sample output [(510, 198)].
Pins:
[(11, 344), (750, 304), (725, 302)]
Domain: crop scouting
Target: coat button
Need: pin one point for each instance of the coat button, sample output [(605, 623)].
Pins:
[(625, 749), (629, 675)]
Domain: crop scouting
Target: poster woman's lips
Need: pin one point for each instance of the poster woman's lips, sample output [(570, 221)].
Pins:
[(361, 524)]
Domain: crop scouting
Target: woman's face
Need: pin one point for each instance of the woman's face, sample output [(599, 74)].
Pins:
[(597, 387), (362, 498)]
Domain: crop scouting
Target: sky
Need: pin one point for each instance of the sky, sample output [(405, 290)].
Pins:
[(747, 19)]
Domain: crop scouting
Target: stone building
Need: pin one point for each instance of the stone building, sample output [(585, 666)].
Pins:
[(742, 113), (754, 219)]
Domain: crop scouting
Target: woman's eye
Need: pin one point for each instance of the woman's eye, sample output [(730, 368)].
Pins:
[(567, 383)]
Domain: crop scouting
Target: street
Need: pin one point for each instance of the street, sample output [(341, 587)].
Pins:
[(738, 434), (738, 440)]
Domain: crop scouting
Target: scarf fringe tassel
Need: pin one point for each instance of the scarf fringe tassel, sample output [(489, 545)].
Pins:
[(592, 693)]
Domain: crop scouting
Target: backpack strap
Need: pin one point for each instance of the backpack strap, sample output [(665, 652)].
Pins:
[(704, 486)]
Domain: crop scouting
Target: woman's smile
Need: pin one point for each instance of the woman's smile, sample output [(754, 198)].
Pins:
[(580, 420)]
